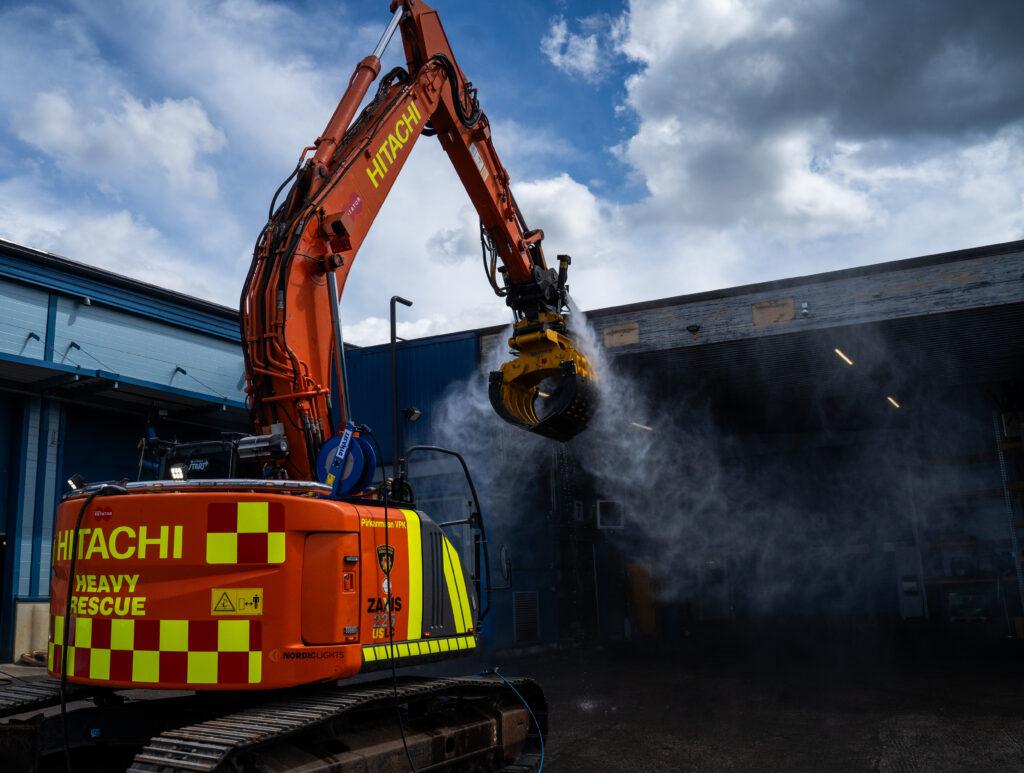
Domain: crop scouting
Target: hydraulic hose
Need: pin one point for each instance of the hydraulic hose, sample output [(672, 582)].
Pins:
[(104, 490)]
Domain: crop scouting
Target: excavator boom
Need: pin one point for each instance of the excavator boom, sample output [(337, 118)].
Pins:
[(307, 571), (312, 238)]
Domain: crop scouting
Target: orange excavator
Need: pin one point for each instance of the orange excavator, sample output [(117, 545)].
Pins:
[(257, 593)]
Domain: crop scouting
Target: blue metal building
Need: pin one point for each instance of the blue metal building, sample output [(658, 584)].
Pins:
[(89, 361)]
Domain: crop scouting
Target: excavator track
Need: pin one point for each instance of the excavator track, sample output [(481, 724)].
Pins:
[(233, 741), (34, 693), (461, 723)]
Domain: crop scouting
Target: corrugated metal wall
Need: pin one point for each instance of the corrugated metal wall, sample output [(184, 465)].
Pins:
[(65, 326), (426, 369)]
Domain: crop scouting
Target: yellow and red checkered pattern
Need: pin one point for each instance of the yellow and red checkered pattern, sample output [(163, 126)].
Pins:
[(221, 652), (245, 533)]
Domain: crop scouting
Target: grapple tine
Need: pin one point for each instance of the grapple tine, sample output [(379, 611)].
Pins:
[(545, 355), (507, 401)]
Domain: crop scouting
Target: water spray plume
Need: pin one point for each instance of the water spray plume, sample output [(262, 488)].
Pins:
[(793, 520)]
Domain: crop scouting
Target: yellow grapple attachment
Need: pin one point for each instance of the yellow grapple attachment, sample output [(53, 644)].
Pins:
[(550, 387)]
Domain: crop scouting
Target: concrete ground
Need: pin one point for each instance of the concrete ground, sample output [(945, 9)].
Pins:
[(802, 700), (14, 670), (720, 706)]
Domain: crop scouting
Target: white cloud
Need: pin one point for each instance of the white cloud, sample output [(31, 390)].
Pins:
[(424, 246), (125, 144), (723, 141), (377, 330), (171, 124), (529, 149), (115, 240), (964, 197), (568, 212), (449, 246), (655, 29), (267, 82), (572, 53), (740, 190), (179, 118), (813, 197)]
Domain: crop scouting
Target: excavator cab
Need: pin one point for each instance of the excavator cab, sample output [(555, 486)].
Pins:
[(549, 388)]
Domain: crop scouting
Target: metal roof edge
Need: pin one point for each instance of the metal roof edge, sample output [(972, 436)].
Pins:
[(55, 272), (939, 258), (413, 342), (59, 367)]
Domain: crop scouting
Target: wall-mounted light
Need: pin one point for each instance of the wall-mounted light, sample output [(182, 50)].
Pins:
[(895, 404), (844, 358)]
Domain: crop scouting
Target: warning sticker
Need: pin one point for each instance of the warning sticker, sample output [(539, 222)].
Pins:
[(479, 161), (236, 601)]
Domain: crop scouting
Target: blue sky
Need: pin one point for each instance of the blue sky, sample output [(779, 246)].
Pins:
[(670, 147)]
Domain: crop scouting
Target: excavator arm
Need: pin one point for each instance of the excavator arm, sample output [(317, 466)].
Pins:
[(254, 584), (306, 250)]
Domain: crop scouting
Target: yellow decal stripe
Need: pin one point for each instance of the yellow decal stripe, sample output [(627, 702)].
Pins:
[(453, 594), (415, 553), (457, 588), (407, 649)]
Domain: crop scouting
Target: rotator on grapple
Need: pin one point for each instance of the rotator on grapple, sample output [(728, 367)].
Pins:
[(549, 387)]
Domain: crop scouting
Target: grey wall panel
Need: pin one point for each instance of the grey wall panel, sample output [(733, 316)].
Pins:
[(144, 349), (856, 297), (22, 312), (65, 277)]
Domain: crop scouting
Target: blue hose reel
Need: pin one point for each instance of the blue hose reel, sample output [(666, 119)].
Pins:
[(346, 463)]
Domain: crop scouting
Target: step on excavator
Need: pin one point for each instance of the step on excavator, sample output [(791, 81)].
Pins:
[(245, 605)]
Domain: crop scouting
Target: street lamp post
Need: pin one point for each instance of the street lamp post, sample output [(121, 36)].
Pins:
[(409, 414)]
